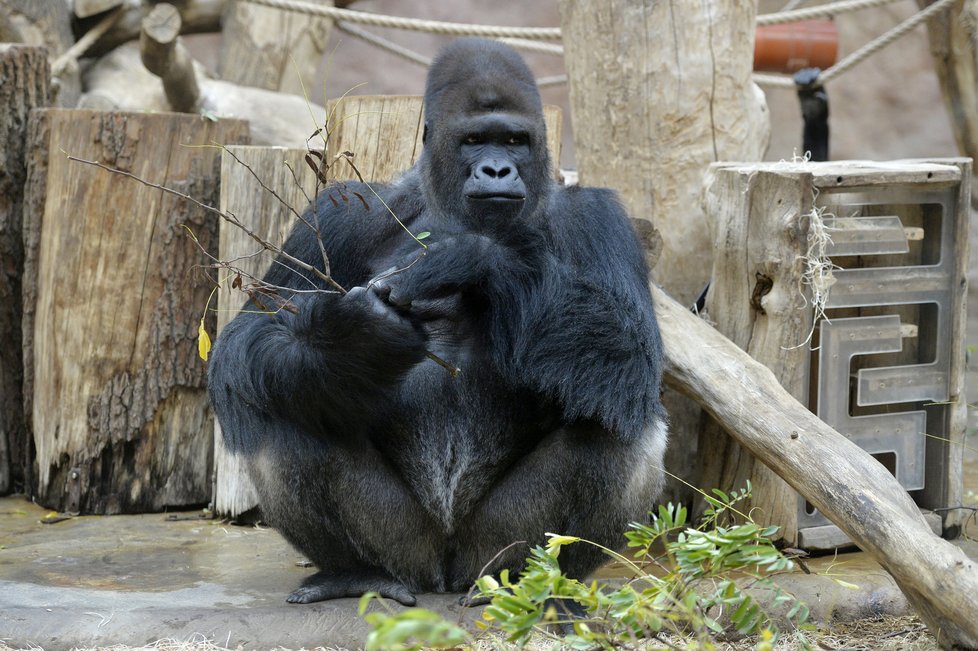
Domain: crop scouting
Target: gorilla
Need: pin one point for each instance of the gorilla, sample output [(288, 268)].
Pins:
[(394, 475)]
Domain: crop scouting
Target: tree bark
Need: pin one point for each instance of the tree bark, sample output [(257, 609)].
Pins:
[(272, 48), (112, 303), (842, 481), (46, 24), (24, 83)]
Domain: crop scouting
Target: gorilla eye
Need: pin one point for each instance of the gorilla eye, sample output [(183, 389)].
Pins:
[(474, 140), (518, 139)]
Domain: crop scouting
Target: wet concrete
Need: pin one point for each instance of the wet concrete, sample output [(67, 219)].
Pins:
[(99, 581)]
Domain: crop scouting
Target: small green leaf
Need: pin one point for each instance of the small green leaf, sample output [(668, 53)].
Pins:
[(422, 235)]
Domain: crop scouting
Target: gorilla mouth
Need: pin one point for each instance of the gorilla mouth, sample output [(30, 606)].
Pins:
[(496, 197)]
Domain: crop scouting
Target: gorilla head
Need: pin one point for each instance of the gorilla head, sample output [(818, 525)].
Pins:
[(485, 156)]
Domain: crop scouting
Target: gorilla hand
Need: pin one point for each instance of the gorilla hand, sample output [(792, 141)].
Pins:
[(424, 282)]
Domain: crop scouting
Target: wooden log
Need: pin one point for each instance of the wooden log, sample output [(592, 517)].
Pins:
[(119, 81), (165, 56), (112, 303), (261, 211), (88, 8), (384, 134), (196, 16), (272, 48), (24, 85), (848, 485)]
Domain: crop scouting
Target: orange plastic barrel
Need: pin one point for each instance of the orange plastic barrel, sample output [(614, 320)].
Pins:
[(793, 46)]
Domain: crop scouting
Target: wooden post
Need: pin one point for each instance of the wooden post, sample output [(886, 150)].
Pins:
[(112, 304), (165, 56), (272, 48), (24, 85), (266, 215)]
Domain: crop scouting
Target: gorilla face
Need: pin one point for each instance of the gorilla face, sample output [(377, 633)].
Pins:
[(485, 158)]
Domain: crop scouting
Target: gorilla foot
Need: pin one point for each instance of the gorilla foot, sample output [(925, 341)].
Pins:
[(331, 585)]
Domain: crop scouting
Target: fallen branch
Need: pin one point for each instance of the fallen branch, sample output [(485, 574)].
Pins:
[(840, 479)]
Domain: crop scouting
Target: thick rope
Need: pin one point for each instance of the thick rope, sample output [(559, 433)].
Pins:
[(432, 26), (865, 51), (822, 11)]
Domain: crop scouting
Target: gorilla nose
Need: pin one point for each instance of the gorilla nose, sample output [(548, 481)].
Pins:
[(496, 171)]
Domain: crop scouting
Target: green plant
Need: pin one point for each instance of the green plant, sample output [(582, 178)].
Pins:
[(690, 582)]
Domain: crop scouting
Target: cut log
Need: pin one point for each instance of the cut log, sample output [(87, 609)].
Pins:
[(284, 173), (165, 56), (112, 303), (88, 8), (24, 85), (272, 48), (842, 481)]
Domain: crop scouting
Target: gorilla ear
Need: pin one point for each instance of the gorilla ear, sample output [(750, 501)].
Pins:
[(424, 134)]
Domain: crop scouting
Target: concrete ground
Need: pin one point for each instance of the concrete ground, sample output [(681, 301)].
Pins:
[(100, 581)]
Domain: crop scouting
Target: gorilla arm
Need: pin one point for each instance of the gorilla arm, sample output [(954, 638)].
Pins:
[(587, 336)]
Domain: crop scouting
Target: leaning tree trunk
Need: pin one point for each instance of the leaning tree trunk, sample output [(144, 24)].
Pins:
[(841, 480), (113, 296), (23, 86)]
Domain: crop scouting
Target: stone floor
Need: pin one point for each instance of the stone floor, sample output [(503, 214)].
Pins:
[(100, 581)]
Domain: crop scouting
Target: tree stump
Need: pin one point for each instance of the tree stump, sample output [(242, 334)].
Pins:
[(112, 303), (24, 85), (271, 218)]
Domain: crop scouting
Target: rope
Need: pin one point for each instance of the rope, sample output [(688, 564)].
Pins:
[(864, 52), (433, 26), (822, 11), (420, 59), (881, 42)]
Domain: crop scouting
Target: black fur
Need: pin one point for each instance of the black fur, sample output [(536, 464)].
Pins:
[(387, 472)]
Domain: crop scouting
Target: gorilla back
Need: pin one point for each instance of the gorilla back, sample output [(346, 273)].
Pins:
[(389, 473)]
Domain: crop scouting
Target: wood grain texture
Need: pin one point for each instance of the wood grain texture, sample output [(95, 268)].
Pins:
[(120, 415), (264, 214), (24, 81)]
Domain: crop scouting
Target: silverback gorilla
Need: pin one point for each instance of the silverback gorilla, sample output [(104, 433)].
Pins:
[(389, 473)]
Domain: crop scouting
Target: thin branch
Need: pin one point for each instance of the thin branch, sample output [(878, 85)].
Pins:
[(227, 216)]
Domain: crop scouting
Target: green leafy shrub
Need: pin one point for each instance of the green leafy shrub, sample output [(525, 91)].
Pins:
[(687, 582)]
